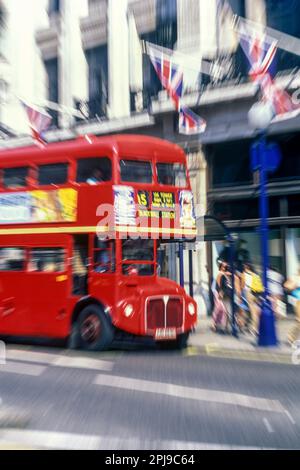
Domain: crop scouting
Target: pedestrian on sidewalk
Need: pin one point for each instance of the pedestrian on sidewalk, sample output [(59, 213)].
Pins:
[(292, 285), (276, 292), (221, 296), (251, 288)]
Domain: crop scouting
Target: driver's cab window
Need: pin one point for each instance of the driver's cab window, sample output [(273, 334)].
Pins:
[(138, 257)]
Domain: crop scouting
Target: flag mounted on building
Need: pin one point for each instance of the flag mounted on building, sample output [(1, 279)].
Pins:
[(279, 99), (171, 77), (39, 121), (260, 51), (190, 123)]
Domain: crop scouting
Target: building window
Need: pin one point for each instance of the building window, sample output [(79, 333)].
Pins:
[(290, 163), (51, 67), (165, 35), (294, 206), (236, 210), (230, 164), (15, 177), (55, 174), (89, 168), (47, 260), (53, 6), (166, 19), (283, 15), (238, 7), (12, 259), (98, 81)]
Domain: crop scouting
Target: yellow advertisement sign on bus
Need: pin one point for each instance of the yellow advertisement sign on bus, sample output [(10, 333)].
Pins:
[(59, 205)]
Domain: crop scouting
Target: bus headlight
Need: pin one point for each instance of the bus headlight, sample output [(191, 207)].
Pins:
[(128, 310), (191, 309)]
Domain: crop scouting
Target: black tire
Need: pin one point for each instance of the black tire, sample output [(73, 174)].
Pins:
[(93, 330), (179, 344)]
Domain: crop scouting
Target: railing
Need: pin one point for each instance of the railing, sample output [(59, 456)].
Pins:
[(92, 109)]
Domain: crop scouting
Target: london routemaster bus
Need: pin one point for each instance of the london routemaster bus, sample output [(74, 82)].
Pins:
[(80, 225)]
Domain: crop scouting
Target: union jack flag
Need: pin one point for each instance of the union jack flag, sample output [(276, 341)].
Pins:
[(39, 122), (171, 77), (169, 73), (260, 52), (281, 102), (190, 123)]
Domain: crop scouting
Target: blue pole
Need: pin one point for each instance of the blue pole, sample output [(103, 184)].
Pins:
[(191, 277), (181, 267), (267, 333)]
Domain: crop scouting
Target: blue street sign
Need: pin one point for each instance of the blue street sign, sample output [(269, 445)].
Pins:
[(272, 157)]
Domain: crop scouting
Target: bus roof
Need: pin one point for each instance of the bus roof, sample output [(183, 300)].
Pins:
[(125, 144)]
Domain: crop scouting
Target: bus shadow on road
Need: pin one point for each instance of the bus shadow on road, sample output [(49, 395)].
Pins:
[(133, 345)]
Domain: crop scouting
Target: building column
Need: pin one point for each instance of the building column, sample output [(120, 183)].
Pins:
[(188, 26), (256, 11), (198, 175), (118, 60), (72, 67)]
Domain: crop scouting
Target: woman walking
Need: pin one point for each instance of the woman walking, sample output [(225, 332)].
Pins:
[(292, 285)]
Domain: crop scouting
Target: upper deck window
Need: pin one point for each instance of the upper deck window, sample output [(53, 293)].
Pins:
[(135, 171), (56, 173), (14, 178), (93, 170), (173, 174)]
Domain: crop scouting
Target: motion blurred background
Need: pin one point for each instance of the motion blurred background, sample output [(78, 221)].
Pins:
[(82, 61)]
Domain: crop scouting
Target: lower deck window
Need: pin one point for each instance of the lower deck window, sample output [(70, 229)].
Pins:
[(12, 259), (47, 260)]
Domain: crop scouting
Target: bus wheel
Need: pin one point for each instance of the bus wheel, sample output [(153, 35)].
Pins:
[(95, 333)]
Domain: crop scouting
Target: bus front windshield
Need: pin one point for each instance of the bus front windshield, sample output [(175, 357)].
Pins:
[(138, 257)]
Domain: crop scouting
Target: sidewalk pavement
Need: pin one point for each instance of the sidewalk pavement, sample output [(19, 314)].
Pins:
[(205, 341)]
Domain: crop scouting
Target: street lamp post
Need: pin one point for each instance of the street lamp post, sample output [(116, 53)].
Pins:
[(264, 159)]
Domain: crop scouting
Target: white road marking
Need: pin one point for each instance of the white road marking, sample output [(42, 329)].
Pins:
[(190, 393), (82, 363), (50, 440), (22, 368), (290, 417), (70, 441), (59, 360), (268, 425), (30, 356)]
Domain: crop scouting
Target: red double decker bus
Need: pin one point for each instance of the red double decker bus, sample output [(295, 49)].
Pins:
[(80, 224)]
